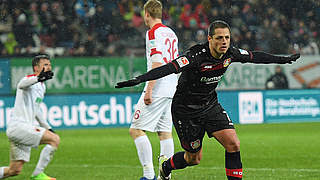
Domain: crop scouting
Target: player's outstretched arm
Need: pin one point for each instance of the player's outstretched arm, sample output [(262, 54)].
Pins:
[(153, 74), (261, 57)]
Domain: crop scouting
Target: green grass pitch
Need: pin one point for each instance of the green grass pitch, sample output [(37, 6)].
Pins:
[(269, 152)]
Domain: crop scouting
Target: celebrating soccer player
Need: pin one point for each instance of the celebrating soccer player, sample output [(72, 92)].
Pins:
[(195, 107)]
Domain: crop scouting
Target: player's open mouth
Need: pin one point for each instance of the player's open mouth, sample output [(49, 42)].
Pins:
[(223, 48)]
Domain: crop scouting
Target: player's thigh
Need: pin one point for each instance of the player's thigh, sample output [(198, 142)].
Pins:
[(189, 129), (165, 122), (146, 117), (217, 119), (25, 134)]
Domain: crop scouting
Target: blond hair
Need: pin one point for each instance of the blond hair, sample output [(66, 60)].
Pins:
[(154, 8)]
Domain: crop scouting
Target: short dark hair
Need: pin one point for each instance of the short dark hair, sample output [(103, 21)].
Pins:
[(217, 24), (36, 59)]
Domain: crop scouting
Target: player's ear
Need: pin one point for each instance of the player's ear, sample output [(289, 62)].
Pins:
[(209, 37)]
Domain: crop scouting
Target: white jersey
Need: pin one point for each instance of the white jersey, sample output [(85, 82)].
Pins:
[(29, 95), (160, 39)]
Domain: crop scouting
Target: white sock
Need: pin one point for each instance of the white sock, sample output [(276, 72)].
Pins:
[(45, 157), (167, 147), (1, 172), (144, 150)]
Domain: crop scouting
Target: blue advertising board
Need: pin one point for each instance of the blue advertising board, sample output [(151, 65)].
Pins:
[(276, 106), (291, 106), (116, 110), (4, 76), (79, 111)]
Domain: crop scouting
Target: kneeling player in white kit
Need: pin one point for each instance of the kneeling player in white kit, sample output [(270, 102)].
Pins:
[(22, 131)]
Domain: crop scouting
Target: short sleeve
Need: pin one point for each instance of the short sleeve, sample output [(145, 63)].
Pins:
[(154, 43)]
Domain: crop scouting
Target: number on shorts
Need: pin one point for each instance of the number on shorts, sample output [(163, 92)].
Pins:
[(136, 114)]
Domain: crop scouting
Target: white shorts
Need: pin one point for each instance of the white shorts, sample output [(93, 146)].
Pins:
[(22, 137), (154, 117)]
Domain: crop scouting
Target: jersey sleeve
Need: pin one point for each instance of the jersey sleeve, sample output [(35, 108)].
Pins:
[(154, 43), (259, 57), (26, 82), (187, 60), (240, 55)]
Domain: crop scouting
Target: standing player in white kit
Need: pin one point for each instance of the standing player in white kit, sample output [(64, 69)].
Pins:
[(153, 111), (22, 131)]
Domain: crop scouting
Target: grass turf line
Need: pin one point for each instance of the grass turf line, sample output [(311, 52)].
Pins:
[(269, 152)]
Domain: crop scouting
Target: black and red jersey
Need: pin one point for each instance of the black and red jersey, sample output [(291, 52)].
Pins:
[(201, 72)]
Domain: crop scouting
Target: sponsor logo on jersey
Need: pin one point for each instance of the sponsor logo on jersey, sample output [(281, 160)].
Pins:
[(209, 80), (182, 61), (211, 67), (38, 100), (195, 144), (227, 62), (152, 44), (243, 52)]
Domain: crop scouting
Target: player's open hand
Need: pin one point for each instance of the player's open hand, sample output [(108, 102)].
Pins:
[(129, 83), (290, 59)]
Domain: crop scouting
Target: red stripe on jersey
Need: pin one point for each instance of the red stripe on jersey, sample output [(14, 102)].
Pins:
[(234, 172), (211, 67), (172, 164), (153, 29), (175, 66), (154, 51), (31, 75)]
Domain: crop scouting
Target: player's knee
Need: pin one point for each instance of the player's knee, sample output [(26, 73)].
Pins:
[(135, 133), (55, 141), (233, 146), (164, 135)]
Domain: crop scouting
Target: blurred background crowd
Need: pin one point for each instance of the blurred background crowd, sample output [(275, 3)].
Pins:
[(116, 27)]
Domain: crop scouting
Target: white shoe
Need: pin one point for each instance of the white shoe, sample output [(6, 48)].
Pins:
[(161, 175)]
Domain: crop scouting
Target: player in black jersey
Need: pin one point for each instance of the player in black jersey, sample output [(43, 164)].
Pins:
[(195, 108)]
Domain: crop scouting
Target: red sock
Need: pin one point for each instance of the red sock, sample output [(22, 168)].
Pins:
[(233, 166)]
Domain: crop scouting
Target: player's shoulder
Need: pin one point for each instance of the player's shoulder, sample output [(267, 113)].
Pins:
[(28, 77), (151, 33), (199, 48), (236, 49), (164, 31)]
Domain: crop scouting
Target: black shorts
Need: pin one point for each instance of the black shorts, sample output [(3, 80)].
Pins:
[(192, 122)]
